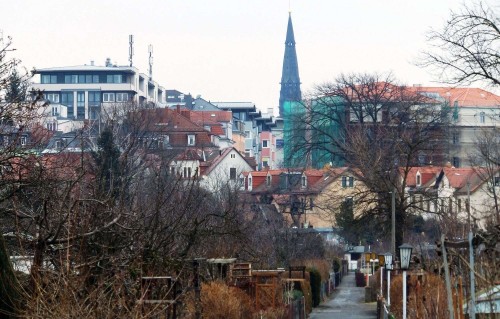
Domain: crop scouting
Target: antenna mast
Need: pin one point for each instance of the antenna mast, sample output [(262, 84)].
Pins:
[(130, 48), (150, 49)]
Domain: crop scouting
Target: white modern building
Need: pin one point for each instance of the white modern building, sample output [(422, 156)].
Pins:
[(85, 92)]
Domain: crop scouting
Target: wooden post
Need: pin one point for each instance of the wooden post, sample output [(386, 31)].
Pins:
[(447, 277), (460, 298)]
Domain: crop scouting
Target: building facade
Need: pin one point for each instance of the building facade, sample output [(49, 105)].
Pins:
[(86, 92)]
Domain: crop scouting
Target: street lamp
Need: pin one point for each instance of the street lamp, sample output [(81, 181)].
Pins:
[(388, 266), (404, 256)]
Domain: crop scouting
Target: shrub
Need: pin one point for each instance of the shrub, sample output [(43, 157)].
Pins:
[(426, 297), (360, 279), (315, 286), (221, 301)]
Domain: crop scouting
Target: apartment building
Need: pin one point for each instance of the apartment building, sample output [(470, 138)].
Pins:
[(85, 92)]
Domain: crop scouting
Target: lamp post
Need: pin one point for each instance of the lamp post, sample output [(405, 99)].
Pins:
[(388, 266), (404, 256), (381, 263)]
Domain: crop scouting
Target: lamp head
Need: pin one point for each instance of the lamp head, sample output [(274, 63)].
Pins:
[(405, 255)]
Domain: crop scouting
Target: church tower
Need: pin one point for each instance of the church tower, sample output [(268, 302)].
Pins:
[(290, 81)]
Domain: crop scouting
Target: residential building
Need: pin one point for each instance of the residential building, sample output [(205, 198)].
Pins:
[(450, 193), (244, 127), (308, 198), (473, 112), (87, 92)]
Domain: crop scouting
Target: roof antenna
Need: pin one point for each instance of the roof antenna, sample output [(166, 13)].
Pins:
[(130, 48), (150, 49)]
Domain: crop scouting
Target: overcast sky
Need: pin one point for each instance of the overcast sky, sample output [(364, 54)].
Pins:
[(228, 50)]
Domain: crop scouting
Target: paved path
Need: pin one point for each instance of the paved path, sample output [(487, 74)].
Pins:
[(347, 302)]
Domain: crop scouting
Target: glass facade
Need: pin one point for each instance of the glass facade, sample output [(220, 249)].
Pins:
[(80, 105), (65, 78), (67, 99)]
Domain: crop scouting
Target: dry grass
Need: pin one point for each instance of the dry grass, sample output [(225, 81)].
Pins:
[(426, 298), (220, 301)]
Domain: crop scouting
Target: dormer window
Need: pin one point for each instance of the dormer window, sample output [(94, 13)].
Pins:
[(347, 181), (419, 179), (191, 140), (249, 182)]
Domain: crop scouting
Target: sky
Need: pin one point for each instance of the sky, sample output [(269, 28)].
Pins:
[(228, 50)]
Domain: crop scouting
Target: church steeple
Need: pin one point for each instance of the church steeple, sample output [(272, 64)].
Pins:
[(290, 81)]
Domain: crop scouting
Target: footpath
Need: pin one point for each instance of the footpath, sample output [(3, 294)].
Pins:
[(347, 302)]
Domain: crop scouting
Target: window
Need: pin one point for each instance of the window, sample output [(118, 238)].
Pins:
[(95, 78), (456, 161), (191, 140), (23, 140), (52, 97), (249, 183), (122, 97), (247, 134), (265, 163), (94, 98), (67, 99), (166, 140), (52, 126), (46, 79), (55, 111), (108, 97), (233, 155), (114, 78), (80, 105), (419, 180), (496, 181), (303, 181), (268, 180), (232, 173), (347, 181), (265, 143), (455, 138), (421, 159), (81, 78), (482, 117), (187, 172)]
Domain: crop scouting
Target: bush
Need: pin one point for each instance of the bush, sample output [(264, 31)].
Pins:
[(360, 279), (221, 301), (426, 298), (315, 286)]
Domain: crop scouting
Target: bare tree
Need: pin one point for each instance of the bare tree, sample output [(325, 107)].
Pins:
[(382, 129), (486, 158), (466, 49)]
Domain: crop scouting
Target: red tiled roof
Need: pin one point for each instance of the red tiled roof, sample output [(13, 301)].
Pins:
[(466, 97)]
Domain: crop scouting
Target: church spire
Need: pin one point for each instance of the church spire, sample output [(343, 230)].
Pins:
[(290, 81)]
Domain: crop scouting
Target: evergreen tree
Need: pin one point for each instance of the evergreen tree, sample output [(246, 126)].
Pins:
[(16, 88), (107, 160)]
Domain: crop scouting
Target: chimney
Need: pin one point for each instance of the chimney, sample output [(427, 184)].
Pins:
[(92, 62)]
